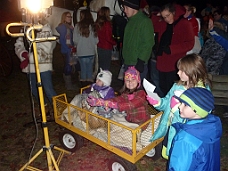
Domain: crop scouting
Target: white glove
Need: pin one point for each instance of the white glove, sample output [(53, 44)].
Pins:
[(20, 48)]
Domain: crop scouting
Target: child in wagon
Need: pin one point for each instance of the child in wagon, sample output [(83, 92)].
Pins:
[(102, 89), (132, 99)]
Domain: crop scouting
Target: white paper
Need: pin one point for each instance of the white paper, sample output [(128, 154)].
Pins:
[(150, 89)]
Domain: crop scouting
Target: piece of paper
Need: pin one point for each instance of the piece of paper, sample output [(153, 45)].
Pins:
[(150, 89)]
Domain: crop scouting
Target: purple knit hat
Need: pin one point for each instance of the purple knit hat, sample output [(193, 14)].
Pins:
[(133, 73)]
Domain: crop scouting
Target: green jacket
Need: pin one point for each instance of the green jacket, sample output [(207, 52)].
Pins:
[(138, 39)]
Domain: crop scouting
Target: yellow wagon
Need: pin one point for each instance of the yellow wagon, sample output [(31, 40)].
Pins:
[(129, 142)]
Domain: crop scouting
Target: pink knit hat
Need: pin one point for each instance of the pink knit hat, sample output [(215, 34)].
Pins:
[(133, 73)]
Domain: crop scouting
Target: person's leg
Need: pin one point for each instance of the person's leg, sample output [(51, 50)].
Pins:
[(144, 73), (108, 54), (67, 66), (67, 73), (83, 68), (104, 58), (154, 77), (171, 77), (33, 84), (89, 64), (46, 78), (162, 82)]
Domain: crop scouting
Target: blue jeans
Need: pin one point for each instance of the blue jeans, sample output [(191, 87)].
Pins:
[(46, 81), (86, 64)]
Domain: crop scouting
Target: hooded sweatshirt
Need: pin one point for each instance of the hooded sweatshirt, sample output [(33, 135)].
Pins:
[(196, 145)]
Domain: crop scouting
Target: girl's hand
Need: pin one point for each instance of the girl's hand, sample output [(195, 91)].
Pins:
[(173, 102), (151, 100), (110, 104), (92, 101)]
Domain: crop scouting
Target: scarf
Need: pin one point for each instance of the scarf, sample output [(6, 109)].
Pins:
[(166, 37)]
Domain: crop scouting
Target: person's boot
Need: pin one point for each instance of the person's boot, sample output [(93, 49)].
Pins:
[(68, 82)]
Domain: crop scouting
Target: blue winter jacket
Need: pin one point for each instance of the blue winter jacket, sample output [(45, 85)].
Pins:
[(63, 30), (169, 116), (220, 36), (196, 146)]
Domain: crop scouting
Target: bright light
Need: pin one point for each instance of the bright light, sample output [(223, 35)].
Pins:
[(34, 5)]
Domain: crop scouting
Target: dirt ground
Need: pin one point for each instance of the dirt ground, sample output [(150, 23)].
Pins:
[(20, 140)]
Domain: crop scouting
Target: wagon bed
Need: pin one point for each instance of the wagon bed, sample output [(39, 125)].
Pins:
[(113, 135)]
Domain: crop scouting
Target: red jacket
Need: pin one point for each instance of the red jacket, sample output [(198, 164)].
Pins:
[(182, 40), (195, 25), (106, 40), (136, 109)]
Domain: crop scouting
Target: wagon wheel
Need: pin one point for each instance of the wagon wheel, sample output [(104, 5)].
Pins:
[(6, 62), (119, 164), (70, 141), (155, 153)]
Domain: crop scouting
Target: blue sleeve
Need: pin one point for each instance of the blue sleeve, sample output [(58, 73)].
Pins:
[(221, 32), (183, 151), (62, 30), (220, 39)]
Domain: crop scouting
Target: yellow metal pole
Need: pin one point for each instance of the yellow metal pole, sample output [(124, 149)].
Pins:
[(41, 96), (51, 162)]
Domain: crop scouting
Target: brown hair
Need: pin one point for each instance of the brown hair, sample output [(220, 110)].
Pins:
[(194, 67), (103, 16), (86, 20)]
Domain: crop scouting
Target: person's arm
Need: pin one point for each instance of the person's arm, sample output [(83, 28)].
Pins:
[(62, 39), (186, 38), (125, 104), (220, 36), (146, 40)]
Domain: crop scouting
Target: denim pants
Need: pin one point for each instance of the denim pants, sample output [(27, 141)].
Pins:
[(86, 64), (104, 58), (46, 81)]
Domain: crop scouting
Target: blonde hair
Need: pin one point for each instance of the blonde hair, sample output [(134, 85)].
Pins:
[(191, 8), (194, 67), (63, 17)]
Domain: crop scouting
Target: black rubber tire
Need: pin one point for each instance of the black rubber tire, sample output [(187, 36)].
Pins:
[(120, 164), (70, 141)]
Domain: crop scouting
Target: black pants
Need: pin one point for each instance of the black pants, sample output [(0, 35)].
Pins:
[(166, 80)]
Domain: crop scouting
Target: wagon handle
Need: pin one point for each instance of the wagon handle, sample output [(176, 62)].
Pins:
[(13, 25), (37, 27), (31, 27)]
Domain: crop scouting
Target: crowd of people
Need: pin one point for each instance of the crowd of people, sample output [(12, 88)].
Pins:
[(171, 47)]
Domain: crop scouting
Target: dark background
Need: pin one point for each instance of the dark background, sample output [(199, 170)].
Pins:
[(11, 5)]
